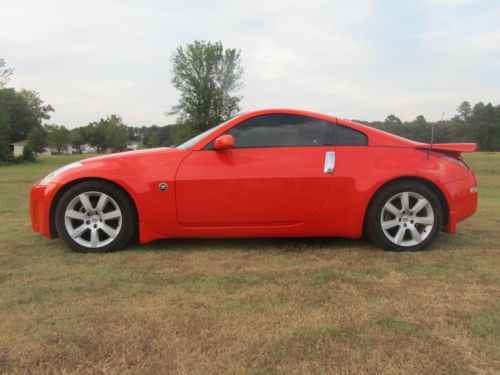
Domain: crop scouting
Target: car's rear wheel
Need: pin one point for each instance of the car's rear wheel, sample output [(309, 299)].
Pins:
[(95, 216), (404, 216)]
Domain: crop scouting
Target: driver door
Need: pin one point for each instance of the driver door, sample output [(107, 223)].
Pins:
[(275, 175)]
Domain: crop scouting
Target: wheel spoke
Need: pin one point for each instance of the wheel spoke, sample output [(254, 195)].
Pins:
[(111, 232), (84, 199), (72, 214), (103, 200), (389, 224), (425, 220), (111, 215), (421, 203), (392, 209), (400, 235), (415, 234), (77, 232), (94, 237), (405, 201)]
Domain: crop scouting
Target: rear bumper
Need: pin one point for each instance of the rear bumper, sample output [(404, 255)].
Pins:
[(40, 201), (462, 201)]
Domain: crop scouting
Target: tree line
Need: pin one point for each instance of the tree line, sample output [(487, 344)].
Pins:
[(479, 124), (208, 77), (24, 116)]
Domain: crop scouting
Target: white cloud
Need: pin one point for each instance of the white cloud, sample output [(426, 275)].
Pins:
[(436, 4)]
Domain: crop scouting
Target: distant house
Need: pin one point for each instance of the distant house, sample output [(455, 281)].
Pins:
[(87, 149), (18, 147), (68, 150), (132, 146)]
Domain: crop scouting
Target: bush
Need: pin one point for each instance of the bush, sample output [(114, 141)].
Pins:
[(28, 153), (37, 140)]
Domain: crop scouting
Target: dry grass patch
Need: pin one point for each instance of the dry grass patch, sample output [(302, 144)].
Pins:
[(260, 306)]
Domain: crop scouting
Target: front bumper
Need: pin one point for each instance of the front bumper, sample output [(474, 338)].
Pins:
[(41, 198)]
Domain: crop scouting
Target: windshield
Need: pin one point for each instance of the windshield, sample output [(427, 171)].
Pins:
[(199, 137)]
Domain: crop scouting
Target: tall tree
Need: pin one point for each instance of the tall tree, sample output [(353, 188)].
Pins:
[(58, 137), (207, 76), (38, 108), (21, 111), (464, 110), (116, 133), (107, 133), (5, 73)]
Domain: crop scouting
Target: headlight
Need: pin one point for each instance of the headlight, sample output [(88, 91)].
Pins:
[(53, 174)]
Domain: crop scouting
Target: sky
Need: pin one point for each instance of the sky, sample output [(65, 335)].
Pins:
[(355, 59)]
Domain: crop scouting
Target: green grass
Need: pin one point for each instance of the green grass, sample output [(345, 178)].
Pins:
[(249, 306)]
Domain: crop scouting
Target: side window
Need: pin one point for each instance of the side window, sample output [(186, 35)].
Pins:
[(350, 137), (282, 130)]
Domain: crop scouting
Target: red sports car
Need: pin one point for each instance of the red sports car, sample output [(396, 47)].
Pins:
[(269, 173)]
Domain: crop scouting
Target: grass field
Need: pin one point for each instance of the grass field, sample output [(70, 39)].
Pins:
[(256, 306)]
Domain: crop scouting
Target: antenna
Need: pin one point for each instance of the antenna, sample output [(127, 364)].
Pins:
[(432, 138)]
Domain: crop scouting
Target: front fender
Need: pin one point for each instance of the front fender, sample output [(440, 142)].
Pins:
[(138, 175)]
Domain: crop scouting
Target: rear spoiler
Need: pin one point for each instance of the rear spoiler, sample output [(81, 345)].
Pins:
[(453, 147)]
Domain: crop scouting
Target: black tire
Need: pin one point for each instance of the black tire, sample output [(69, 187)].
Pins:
[(126, 229), (373, 221)]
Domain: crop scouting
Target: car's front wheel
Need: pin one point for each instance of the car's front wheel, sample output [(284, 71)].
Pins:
[(95, 216), (404, 215)]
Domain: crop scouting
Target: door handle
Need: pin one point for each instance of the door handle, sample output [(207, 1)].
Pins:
[(329, 162)]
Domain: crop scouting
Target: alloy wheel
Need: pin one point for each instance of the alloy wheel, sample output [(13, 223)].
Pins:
[(407, 219), (93, 219)]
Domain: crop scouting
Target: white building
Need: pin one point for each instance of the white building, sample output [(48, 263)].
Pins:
[(87, 149), (18, 147)]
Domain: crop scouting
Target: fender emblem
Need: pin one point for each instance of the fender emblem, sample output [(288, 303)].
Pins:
[(163, 186)]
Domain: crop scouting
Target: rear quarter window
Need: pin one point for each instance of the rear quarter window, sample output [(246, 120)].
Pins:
[(350, 137)]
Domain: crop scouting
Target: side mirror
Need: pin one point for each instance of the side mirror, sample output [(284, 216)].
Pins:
[(223, 142)]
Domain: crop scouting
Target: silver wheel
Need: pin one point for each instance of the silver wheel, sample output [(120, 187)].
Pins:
[(93, 219), (407, 219)]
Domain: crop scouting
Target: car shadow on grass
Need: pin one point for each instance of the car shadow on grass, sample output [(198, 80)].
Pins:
[(254, 244), (444, 242)]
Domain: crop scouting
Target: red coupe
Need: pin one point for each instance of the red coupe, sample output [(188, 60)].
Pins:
[(269, 173)]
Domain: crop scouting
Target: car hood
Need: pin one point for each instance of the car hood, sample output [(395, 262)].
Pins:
[(130, 154), (123, 165)]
